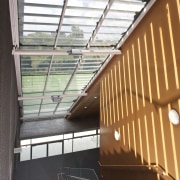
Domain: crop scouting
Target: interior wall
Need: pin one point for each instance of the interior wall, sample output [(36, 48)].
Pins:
[(48, 168), (8, 96), (138, 90)]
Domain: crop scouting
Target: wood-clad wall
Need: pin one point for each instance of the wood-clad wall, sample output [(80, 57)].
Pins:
[(137, 91)]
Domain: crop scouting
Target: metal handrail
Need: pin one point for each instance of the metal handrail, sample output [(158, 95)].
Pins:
[(68, 174), (66, 177)]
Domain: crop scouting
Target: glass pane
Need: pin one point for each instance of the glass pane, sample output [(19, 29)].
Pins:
[(31, 107), (84, 133), (39, 151), (48, 113), (112, 23), (68, 136), (47, 139), (33, 84), (68, 146), (66, 103), (114, 30), (127, 5), (57, 82), (120, 15), (30, 115), (80, 21), (35, 38), (80, 144), (25, 153), (54, 2), (54, 149), (40, 27), (42, 10), (48, 107), (91, 4), (25, 142), (79, 81), (98, 144)]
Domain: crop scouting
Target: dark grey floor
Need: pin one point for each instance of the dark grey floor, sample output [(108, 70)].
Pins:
[(55, 126)]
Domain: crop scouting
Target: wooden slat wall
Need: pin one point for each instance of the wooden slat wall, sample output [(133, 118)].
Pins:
[(138, 90)]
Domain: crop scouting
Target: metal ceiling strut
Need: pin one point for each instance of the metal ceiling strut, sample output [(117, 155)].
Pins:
[(99, 23), (70, 80), (49, 97), (77, 52), (55, 45), (15, 40)]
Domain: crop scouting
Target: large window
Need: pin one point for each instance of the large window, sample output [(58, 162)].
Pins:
[(60, 144)]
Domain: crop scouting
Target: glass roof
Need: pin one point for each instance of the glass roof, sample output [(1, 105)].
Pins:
[(66, 25)]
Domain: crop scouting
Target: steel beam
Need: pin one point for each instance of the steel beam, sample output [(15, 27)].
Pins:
[(77, 52), (49, 97), (60, 22), (55, 45), (70, 80), (105, 12), (15, 40)]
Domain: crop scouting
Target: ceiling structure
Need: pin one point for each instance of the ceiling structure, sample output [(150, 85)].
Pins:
[(61, 46)]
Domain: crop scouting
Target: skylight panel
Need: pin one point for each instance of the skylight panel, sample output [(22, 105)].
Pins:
[(113, 30), (30, 111), (47, 107), (95, 13), (120, 15), (42, 10), (117, 23), (41, 19), (110, 37), (81, 20), (33, 83), (40, 27), (127, 6), (54, 2), (31, 107), (63, 108), (77, 81), (88, 3), (57, 82)]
